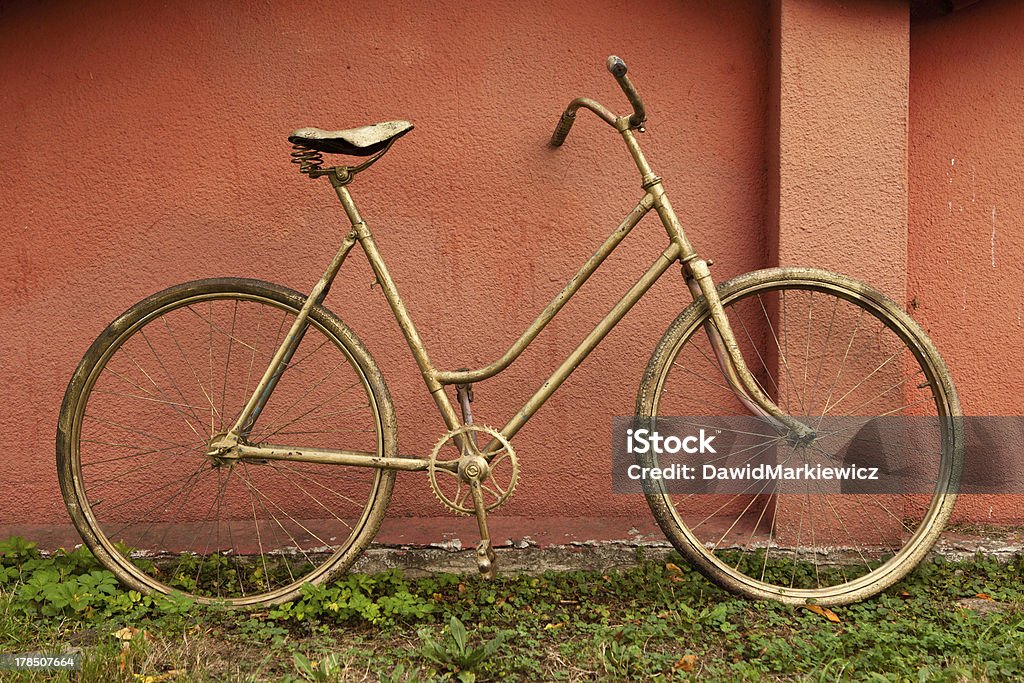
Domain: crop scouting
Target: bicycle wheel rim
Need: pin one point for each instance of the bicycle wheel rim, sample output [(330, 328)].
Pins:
[(949, 439), (361, 521)]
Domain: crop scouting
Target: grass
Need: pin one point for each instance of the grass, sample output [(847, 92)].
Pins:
[(658, 621)]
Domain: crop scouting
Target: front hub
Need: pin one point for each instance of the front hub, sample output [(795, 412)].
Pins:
[(801, 440)]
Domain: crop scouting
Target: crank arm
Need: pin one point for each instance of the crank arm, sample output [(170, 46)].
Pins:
[(486, 561)]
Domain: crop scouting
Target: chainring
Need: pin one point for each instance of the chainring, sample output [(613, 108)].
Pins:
[(452, 487)]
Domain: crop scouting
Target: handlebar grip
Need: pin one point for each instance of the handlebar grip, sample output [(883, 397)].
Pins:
[(616, 66), (562, 129)]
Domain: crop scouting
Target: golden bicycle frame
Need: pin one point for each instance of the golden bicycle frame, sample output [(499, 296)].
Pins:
[(233, 446)]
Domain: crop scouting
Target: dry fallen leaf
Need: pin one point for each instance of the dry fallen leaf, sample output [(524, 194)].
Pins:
[(824, 612), (983, 596), (687, 663), (673, 568), (126, 633)]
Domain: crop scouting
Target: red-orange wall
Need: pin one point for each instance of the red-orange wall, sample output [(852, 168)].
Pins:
[(966, 228), (145, 145), (966, 233)]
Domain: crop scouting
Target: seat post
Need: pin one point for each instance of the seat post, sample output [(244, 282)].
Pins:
[(340, 177)]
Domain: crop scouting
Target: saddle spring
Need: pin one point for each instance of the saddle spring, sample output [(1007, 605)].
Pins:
[(308, 159)]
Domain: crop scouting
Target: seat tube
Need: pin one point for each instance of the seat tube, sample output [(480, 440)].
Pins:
[(412, 337)]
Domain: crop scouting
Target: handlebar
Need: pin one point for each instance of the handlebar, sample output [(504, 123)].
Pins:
[(618, 69)]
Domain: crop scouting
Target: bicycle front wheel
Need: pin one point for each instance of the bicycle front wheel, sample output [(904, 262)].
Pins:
[(166, 377), (850, 363)]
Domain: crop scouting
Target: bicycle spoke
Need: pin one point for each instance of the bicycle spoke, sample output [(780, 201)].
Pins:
[(133, 430), (259, 538), (227, 361), (252, 360), (785, 362), (897, 385), (807, 347), (858, 384), (170, 377), (150, 395), (190, 484), (136, 454), (195, 374), (767, 370), (216, 328), (122, 475), (753, 530), (335, 492), (295, 544), (311, 497), (842, 366), (266, 435)]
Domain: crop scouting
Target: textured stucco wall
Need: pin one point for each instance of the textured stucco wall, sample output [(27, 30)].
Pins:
[(966, 233), (145, 145), (838, 138), (837, 148)]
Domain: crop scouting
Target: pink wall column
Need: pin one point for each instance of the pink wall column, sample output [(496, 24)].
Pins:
[(838, 138), (966, 218), (837, 150)]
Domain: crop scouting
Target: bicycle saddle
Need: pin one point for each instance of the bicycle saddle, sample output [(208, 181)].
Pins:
[(360, 142)]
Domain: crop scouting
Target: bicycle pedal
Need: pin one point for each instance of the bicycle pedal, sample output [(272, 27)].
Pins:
[(486, 561)]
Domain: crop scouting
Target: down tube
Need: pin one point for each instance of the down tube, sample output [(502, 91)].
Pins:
[(657, 269)]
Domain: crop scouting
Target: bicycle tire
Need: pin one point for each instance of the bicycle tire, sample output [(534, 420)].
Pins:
[(885, 561), (113, 397)]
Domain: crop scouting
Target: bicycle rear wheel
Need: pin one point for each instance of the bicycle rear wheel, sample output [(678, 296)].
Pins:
[(852, 364), (175, 370)]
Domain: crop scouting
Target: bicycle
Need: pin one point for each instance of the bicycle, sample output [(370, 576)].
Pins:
[(233, 439)]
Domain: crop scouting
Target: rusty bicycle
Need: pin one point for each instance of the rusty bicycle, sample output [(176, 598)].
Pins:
[(234, 440)]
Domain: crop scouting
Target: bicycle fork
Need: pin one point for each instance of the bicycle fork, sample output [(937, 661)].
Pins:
[(730, 359), (698, 280)]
